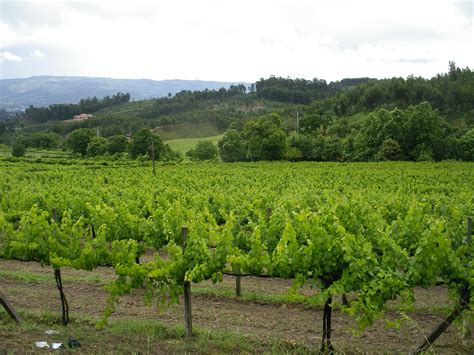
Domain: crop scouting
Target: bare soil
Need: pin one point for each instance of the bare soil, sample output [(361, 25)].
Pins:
[(263, 320)]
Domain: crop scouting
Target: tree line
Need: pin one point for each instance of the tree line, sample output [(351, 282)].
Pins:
[(143, 143), (187, 100), (61, 112), (350, 120), (301, 91)]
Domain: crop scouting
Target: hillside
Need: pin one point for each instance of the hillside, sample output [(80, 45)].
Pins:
[(46, 90), (354, 119)]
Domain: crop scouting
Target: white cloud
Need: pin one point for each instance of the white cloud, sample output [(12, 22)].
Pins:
[(243, 40), (10, 57), (37, 53)]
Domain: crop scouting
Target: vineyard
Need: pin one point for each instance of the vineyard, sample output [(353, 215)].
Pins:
[(355, 238)]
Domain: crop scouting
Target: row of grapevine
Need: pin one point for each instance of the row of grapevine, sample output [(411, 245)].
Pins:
[(375, 231)]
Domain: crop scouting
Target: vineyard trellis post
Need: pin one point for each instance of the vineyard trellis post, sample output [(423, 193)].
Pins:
[(187, 291), (9, 308), (238, 282), (463, 304), (153, 155), (467, 321), (59, 282)]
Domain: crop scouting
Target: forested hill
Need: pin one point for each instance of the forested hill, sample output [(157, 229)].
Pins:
[(41, 91), (321, 120), (215, 109)]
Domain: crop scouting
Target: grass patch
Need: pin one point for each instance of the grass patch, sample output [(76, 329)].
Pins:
[(251, 296), (135, 336), (31, 277), (188, 130), (184, 144)]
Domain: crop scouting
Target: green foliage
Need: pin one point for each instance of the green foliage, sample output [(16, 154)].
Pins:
[(97, 146), (18, 149), (144, 142), (466, 146), (232, 146), (204, 150), (294, 154), (427, 117), (301, 91), (43, 140), (378, 230), (117, 144), (265, 140), (61, 112), (318, 148), (79, 139), (389, 150), (417, 130), (319, 116), (449, 93)]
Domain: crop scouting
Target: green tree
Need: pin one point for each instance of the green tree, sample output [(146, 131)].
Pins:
[(304, 143), (117, 144), (265, 139), (451, 148), (318, 152), (232, 146), (204, 150), (97, 146), (79, 139), (466, 143), (3, 128), (43, 140), (420, 124), (18, 149), (318, 118), (418, 130), (333, 149), (142, 143), (390, 150)]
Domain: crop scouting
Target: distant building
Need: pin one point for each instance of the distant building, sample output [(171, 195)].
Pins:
[(82, 117)]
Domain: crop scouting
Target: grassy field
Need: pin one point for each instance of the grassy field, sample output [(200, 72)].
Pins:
[(185, 144)]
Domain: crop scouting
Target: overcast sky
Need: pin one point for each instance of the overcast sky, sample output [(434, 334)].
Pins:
[(235, 40)]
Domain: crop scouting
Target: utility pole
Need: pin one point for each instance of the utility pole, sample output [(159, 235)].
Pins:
[(153, 155), (297, 121)]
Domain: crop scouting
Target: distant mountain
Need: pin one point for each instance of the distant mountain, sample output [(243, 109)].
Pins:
[(45, 90)]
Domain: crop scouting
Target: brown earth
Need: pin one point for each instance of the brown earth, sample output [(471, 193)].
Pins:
[(263, 320)]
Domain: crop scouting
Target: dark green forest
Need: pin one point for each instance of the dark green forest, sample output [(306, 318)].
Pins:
[(62, 112), (358, 119)]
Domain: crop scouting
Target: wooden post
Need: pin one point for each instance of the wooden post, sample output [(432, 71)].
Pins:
[(467, 324), (238, 287), (59, 282), (9, 308), (188, 319), (153, 155)]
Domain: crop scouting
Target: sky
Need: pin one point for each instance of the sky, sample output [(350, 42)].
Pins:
[(235, 40)]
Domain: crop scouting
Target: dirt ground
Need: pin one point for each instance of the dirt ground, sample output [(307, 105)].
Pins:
[(264, 320)]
